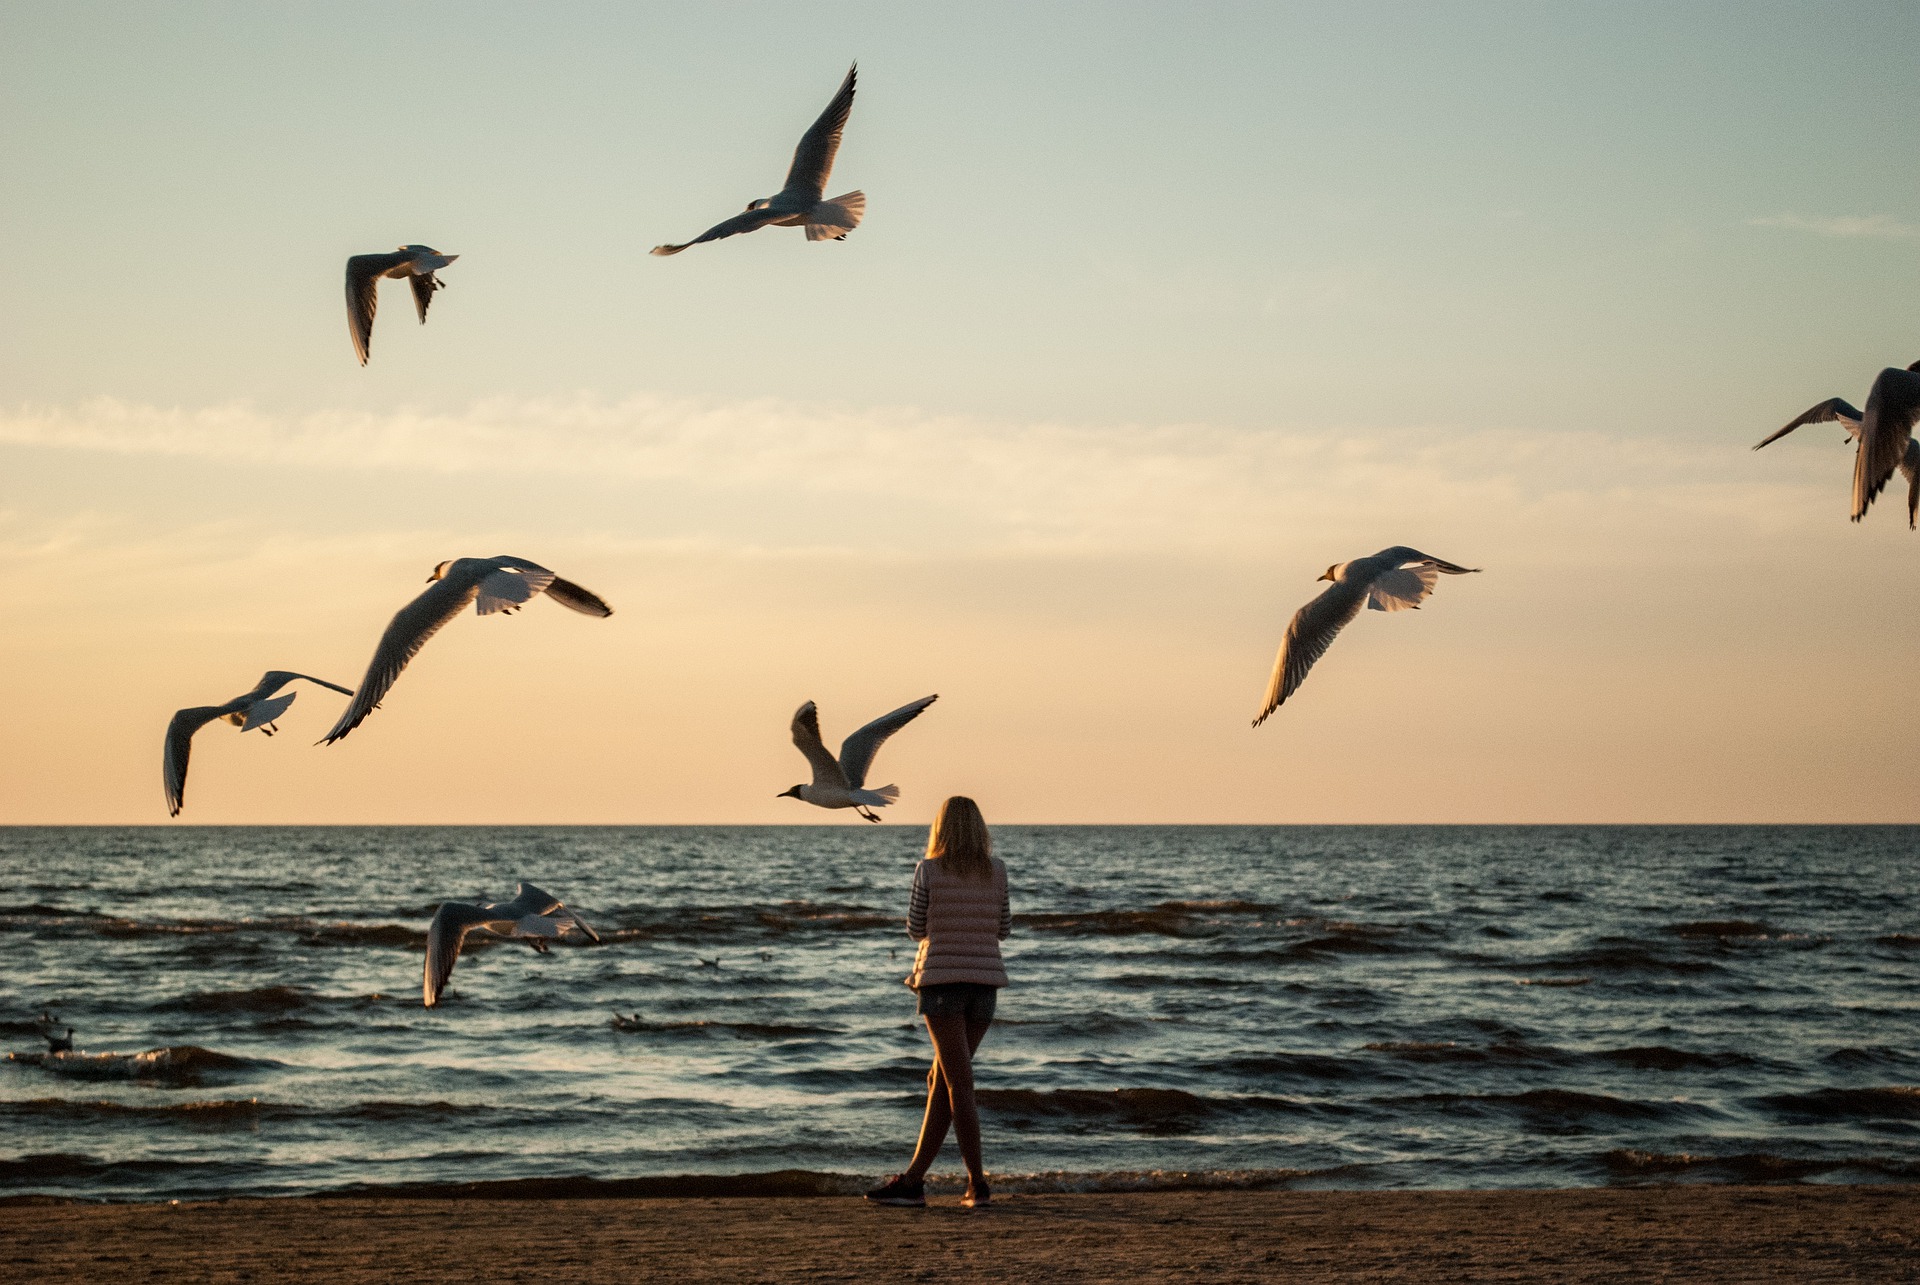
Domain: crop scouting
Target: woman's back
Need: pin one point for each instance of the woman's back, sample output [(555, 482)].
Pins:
[(959, 923)]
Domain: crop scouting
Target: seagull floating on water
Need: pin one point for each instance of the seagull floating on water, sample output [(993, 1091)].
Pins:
[(533, 916), (1885, 434), (802, 203), (55, 1043), (417, 263), (492, 584), (255, 709), (841, 783), (1395, 579)]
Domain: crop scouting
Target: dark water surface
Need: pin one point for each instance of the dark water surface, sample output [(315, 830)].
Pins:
[(1405, 1006)]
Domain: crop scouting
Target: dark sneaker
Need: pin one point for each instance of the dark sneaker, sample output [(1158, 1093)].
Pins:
[(898, 1191), (978, 1196)]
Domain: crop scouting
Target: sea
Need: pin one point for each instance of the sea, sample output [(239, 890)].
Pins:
[(1245, 1006)]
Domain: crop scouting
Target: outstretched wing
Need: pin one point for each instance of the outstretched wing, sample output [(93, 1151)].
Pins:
[(445, 935), (1831, 410), (510, 587), (585, 601), (806, 738), (363, 295), (406, 634), (857, 751), (262, 712), (1402, 588), (274, 679), (813, 158), (1309, 634), (750, 221), (1885, 430), (173, 763)]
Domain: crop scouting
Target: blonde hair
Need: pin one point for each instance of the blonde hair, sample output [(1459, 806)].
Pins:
[(959, 840)]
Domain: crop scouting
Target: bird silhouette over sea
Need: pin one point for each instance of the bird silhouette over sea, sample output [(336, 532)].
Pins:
[(417, 263), (802, 203), (249, 711), (1885, 434), (1396, 579), (841, 782), (502, 583), (533, 916)]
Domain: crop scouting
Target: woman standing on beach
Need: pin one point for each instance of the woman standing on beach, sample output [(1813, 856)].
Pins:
[(959, 913)]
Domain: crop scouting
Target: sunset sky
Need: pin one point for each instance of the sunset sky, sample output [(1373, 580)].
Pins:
[(1157, 311)]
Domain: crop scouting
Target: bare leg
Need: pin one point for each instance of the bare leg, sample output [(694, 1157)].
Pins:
[(950, 1101)]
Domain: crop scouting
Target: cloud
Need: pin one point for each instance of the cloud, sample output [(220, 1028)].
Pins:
[(1882, 226)]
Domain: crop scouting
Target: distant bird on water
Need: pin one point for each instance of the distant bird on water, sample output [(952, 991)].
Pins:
[(1395, 579), (802, 203), (255, 709), (417, 263), (55, 1043), (533, 916), (841, 782), (500, 583), (1885, 434)]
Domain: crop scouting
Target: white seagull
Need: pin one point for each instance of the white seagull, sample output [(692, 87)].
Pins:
[(492, 584), (256, 709), (841, 782), (417, 263), (1395, 579), (533, 916), (1885, 434), (802, 203)]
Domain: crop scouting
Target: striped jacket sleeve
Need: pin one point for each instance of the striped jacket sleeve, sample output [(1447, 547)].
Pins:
[(917, 905), (1006, 913)]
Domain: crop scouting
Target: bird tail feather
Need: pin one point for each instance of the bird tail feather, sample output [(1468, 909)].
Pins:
[(830, 220), (877, 798)]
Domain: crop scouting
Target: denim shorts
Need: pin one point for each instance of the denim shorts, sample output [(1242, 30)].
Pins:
[(970, 1000)]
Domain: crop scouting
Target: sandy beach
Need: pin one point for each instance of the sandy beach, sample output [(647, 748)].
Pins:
[(1801, 1233)]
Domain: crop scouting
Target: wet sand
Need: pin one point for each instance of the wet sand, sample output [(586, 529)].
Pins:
[(1801, 1233)]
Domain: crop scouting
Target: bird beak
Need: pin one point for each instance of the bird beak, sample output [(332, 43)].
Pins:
[(1323, 576)]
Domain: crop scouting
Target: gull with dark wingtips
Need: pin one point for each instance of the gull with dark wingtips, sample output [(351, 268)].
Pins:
[(416, 263), (502, 583), (802, 202), (256, 709), (1885, 434), (1396, 579), (533, 916), (842, 782)]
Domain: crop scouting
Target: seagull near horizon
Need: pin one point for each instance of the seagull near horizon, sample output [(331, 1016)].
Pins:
[(1396, 579), (417, 263), (841, 782), (500, 583), (533, 916), (1884, 431), (802, 203), (255, 709)]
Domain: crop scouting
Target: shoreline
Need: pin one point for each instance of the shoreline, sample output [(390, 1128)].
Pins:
[(1790, 1232)]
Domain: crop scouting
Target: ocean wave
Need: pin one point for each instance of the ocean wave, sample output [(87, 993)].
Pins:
[(1887, 1102), (1125, 1106), (184, 1064), (247, 1109), (1565, 1103), (1748, 1166), (1622, 957), (1159, 922), (748, 1030), (1658, 1057), (264, 999), (1718, 929)]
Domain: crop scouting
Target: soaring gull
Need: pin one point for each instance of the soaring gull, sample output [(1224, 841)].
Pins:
[(417, 263), (802, 203), (492, 584), (255, 709), (1395, 579), (532, 915), (842, 782), (1885, 434)]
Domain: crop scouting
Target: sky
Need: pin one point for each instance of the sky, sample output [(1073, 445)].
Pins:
[(1158, 310)]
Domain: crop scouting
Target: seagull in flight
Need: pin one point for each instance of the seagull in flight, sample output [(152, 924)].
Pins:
[(492, 584), (841, 782), (1396, 579), (255, 709), (417, 263), (802, 203), (1885, 434), (533, 916)]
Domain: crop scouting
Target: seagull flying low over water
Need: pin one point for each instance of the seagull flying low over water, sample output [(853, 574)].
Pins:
[(417, 263), (533, 916), (802, 203), (1396, 579), (501, 583), (1885, 434), (841, 782), (256, 709)]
